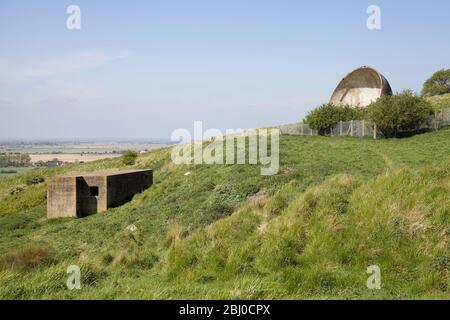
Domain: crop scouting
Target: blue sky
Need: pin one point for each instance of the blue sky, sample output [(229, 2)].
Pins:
[(145, 68)]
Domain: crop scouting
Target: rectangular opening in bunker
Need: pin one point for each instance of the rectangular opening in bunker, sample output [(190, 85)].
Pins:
[(93, 191)]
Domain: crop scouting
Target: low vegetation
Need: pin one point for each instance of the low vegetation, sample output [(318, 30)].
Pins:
[(26, 258), (322, 241), (129, 157), (337, 206), (34, 179)]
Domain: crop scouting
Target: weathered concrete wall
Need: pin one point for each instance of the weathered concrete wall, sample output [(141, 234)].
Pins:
[(360, 88), (83, 195), (87, 202), (62, 197), (122, 188)]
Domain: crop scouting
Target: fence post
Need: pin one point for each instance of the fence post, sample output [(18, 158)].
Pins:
[(435, 120), (351, 128), (375, 131), (363, 128), (340, 128)]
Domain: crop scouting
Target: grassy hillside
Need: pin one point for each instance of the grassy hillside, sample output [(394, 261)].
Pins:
[(336, 207), (440, 102)]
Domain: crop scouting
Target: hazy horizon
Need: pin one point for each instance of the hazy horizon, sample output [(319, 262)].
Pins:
[(5, 141)]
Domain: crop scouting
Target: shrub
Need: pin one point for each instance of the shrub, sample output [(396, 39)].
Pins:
[(32, 180), (129, 157), (402, 112), (438, 84), (16, 190), (326, 116)]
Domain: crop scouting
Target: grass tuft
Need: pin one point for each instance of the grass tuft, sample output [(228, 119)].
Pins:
[(26, 258)]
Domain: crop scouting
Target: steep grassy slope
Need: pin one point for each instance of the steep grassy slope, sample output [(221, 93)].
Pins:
[(323, 241), (336, 207)]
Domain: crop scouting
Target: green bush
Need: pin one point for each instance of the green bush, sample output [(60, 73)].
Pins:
[(403, 112), (32, 180), (438, 84), (326, 116), (129, 157), (16, 190)]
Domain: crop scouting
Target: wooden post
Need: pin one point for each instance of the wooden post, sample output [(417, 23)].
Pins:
[(340, 128), (375, 131), (351, 128), (302, 129), (363, 128)]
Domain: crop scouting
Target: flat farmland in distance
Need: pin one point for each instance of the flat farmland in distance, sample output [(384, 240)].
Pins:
[(72, 158), (8, 171), (76, 152), (74, 148)]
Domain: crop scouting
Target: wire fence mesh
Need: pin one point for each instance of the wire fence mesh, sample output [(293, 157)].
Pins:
[(363, 128), (441, 119)]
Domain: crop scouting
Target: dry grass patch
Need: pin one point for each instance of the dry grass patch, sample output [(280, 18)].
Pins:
[(28, 257)]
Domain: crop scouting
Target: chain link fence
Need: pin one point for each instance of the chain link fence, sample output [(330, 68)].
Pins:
[(364, 128), (439, 120)]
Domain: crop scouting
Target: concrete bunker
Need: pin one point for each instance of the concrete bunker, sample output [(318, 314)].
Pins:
[(360, 88), (81, 195)]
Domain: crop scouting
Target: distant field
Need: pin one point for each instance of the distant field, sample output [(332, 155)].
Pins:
[(73, 152), (71, 148), (19, 170), (72, 158)]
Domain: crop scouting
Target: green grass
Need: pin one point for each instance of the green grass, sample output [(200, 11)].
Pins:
[(337, 206), (440, 102)]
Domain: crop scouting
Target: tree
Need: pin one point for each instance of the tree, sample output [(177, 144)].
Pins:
[(129, 157), (438, 84), (399, 113), (25, 160), (326, 116)]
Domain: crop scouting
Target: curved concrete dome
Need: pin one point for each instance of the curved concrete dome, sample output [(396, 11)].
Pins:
[(360, 88)]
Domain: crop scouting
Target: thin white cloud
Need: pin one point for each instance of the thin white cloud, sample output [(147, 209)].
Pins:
[(13, 70), (45, 86)]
